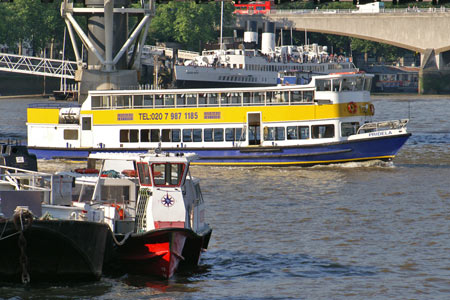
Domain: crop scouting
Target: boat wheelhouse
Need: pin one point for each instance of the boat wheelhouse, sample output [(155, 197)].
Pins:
[(328, 120)]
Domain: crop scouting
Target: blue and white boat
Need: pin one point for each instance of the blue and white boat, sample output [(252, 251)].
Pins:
[(328, 120)]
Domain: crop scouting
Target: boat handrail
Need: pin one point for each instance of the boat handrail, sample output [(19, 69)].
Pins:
[(391, 124), (53, 105)]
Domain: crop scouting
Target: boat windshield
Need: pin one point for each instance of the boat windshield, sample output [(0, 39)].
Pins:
[(167, 174)]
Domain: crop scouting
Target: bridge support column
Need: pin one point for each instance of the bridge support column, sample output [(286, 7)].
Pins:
[(91, 80), (433, 76)]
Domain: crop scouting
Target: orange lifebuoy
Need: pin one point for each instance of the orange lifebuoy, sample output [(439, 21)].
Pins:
[(372, 109), (352, 107), (119, 210)]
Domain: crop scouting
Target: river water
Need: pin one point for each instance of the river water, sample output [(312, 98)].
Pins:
[(353, 231)]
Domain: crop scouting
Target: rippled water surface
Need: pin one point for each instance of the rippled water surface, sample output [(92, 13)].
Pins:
[(353, 231)]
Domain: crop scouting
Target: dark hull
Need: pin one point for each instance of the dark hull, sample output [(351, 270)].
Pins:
[(374, 148), (159, 252), (56, 250)]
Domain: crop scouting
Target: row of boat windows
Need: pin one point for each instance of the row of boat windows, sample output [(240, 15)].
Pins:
[(230, 134), (344, 84), (278, 68), (202, 99), (276, 133)]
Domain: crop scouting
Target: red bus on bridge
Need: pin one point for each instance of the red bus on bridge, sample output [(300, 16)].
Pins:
[(253, 8)]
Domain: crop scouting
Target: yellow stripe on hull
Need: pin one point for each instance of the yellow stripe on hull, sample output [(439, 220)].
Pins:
[(292, 163)]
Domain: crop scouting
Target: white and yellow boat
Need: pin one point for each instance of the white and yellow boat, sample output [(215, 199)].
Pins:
[(328, 120)]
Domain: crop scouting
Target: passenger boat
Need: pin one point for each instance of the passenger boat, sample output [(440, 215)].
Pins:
[(155, 209), (36, 246), (328, 120), (248, 66)]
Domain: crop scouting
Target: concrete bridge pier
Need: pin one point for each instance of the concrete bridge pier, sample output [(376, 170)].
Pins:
[(434, 75)]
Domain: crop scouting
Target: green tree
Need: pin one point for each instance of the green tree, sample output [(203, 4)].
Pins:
[(188, 23), (31, 21)]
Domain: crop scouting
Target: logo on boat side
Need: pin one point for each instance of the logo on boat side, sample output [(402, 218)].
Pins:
[(212, 115), (380, 133), (124, 117), (167, 200)]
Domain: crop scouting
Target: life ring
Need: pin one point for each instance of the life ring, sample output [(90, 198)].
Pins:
[(372, 109), (352, 107), (86, 171)]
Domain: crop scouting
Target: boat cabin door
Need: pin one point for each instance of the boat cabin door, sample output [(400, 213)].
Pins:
[(86, 131), (254, 128)]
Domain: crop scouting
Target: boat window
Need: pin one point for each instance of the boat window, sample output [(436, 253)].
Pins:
[(322, 131), (246, 98), (297, 132), (138, 100), (225, 98), (359, 83), (323, 84), (367, 84), (187, 135), (258, 97), (95, 102), (191, 99), (70, 134), (167, 174), (212, 99), (336, 85), (176, 135), (349, 128), (240, 134), (148, 100), (154, 135), (197, 135), (144, 173), (348, 84), (145, 135), (202, 99), (274, 133), (213, 134), (181, 100), (229, 134), (169, 100), (208, 134), (86, 123), (159, 100), (218, 134), (129, 136)]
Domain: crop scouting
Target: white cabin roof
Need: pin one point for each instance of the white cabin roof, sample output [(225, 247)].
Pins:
[(146, 156)]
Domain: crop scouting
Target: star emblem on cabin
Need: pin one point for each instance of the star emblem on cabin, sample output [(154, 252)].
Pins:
[(167, 200)]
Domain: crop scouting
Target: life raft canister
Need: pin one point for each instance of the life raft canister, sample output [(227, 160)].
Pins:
[(372, 109), (86, 171), (352, 107)]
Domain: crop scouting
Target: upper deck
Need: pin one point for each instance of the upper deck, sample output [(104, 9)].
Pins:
[(321, 90)]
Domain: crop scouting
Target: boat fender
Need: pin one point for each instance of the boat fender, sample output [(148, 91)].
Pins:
[(372, 109), (352, 107)]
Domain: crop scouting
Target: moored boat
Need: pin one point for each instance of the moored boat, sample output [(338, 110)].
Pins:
[(36, 246), (330, 119), (163, 227)]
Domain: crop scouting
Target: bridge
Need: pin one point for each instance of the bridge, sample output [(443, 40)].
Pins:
[(424, 31), (37, 66)]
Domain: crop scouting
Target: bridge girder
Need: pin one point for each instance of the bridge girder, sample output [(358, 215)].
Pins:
[(413, 31)]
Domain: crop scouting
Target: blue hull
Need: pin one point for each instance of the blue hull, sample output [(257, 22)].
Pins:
[(383, 148)]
